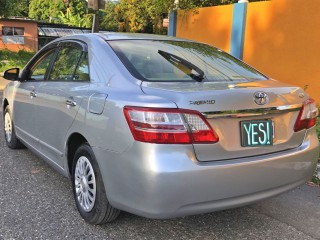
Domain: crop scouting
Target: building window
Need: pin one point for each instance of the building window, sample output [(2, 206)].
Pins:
[(12, 31), (12, 35)]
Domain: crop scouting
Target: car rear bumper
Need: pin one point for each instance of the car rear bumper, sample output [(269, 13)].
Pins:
[(165, 181)]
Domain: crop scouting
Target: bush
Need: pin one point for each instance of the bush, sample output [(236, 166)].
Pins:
[(10, 59)]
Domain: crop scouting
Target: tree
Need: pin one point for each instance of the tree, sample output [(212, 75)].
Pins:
[(147, 15), (8, 8), (71, 12), (23, 8), (46, 10), (77, 6), (77, 20), (109, 16), (137, 15)]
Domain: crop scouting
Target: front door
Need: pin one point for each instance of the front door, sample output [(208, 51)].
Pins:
[(59, 99), (26, 98)]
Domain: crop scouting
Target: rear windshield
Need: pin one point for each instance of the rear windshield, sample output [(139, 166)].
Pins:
[(165, 61)]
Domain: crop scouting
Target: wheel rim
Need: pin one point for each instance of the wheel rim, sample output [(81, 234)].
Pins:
[(8, 126), (85, 184)]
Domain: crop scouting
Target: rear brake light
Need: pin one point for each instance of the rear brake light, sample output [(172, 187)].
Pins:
[(307, 117), (169, 126)]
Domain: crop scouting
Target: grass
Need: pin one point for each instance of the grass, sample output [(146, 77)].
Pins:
[(10, 59)]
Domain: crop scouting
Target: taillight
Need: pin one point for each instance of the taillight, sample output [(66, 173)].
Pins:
[(169, 126), (307, 117)]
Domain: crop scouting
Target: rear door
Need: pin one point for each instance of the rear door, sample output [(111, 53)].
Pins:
[(59, 98)]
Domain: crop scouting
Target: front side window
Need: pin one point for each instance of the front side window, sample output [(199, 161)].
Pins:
[(153, 60), (65, 64), (38, 71)]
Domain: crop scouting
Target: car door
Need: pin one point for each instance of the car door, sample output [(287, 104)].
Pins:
[(25, 100), (59, 98)]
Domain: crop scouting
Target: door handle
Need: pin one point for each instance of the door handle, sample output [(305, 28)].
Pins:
[(33, 94), (70, 102)]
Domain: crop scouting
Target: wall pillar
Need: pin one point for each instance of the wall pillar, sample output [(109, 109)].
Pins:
[(238, 28), (172, 23)]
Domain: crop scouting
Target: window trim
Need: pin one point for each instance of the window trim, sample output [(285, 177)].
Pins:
[(55, 46)]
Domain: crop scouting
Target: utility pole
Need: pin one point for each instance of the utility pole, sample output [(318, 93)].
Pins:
[(95, 23), (96, 5)]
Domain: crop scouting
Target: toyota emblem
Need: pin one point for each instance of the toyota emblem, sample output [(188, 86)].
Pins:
[(261, 98)]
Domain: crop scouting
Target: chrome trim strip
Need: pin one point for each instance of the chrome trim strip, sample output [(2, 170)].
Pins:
[(252, 112)]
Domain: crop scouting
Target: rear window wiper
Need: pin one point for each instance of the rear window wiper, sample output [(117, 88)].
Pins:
[(185, 66)]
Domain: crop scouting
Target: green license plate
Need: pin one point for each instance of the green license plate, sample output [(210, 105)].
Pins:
[(256, 133)]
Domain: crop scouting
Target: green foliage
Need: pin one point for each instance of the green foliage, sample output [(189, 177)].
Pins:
[(77, 7), (77, 20), (133, 16), (109, 16), (147, 15), (10, 59), (137, 15), (70, 12), (22, 8), (47, 10), (122, 15), (8, 8)]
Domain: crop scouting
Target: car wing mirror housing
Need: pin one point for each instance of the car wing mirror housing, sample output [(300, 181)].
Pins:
[(11, 74)]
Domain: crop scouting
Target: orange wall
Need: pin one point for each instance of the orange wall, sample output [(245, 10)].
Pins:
[(283, 40), (30, 35), (211, 25)]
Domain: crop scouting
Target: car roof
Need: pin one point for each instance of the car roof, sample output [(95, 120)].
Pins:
[(109, 36)]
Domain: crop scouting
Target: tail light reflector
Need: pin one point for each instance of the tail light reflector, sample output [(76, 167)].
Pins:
[(307, 117), (169, 126)]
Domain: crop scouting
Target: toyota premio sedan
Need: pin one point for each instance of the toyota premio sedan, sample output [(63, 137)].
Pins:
[(160, 127)]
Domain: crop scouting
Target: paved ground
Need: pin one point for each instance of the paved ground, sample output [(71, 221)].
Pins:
[(37, 203)]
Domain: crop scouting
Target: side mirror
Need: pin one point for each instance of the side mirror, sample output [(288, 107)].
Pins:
[(11, 74)]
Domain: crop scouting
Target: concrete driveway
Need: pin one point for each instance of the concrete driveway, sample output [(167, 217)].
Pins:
[(37, 203)]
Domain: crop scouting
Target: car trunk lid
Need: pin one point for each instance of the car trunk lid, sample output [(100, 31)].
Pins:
[(231, 110)]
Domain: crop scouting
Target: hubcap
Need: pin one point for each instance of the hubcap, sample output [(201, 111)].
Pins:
[(8, 127), (85, 184)]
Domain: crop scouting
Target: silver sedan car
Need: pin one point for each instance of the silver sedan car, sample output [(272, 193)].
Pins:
[(159, 127)]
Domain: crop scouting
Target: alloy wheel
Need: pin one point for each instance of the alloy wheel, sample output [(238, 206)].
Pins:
[(8, 126), (85, 184)]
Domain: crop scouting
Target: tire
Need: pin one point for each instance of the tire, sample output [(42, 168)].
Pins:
[(9, 131), (88, 188)]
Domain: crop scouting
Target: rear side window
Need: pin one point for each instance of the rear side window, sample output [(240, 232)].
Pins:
[(181, 61), (65, 64), (82, 71)]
